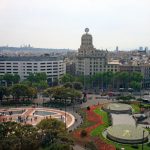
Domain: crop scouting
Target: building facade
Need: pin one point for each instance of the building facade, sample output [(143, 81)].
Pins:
[(54, 67), (90, 60), (144, 69)]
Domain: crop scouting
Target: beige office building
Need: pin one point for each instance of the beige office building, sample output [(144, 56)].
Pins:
[(89, 60)]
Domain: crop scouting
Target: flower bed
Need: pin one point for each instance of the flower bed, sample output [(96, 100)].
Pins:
[(97, 120)]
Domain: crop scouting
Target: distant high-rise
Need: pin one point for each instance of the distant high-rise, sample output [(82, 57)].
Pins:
[(140, 48), (146, 48), (117, 48)]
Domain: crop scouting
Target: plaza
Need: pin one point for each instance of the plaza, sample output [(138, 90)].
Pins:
[(35, 115)]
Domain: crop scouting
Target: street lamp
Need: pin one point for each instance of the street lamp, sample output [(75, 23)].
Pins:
[(143, 141), (73, 97), (65, 116)]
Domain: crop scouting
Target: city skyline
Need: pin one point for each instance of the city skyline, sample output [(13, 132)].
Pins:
[(60, 24)]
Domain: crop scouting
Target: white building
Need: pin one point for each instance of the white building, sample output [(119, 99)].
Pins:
[(54, 67), (90, 60)]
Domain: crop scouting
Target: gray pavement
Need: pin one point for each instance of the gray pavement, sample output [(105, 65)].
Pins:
[(122, 119), (93, 99), (78, 121)]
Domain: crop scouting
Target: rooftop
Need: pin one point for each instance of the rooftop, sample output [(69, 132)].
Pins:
[(30, 58)]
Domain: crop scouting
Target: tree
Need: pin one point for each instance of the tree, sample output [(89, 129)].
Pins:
[(3, 92), (135, 85), (48, 133), (68, 85), (136, 76), (97, 80), (16, 78), (40, 76), (18, 136), (31, 92), (1, 79), (19, 90), (41, 85), (124, 77), (67, 78), (8, 78), (53, 132), (31, 78), (62, 93), (77, 85)]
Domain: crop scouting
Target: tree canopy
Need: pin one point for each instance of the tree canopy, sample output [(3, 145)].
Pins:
[(48, 133)]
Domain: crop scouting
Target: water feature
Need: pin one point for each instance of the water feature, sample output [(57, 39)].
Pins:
[(43, 113)]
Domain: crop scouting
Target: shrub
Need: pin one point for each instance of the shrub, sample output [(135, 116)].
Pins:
[(148, 144), (83, 133), (91, 146), (88, 108), (135, 146), (12, 102), (128, 97), (77, 85)]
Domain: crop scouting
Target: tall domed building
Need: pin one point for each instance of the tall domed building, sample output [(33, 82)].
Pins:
[(90, 60)]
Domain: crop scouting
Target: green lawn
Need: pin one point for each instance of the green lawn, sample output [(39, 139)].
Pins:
[(146, 105), (100, 129), (136, 108), (98, 132)]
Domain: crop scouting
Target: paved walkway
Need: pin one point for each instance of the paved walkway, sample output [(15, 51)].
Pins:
[(122, 119), (78, 121)]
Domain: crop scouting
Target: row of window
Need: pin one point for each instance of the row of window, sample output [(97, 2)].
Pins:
[(14, 72), (16, 63)]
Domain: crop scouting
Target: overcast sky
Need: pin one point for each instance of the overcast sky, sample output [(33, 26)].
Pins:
[(60, 23)]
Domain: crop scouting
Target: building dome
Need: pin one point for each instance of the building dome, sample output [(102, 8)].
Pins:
[(86, 38)]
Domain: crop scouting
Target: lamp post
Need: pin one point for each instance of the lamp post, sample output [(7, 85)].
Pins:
[(143, 141), (73, 97), (65, 116)]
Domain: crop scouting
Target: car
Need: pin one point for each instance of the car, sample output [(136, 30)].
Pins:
[(146, 123), (146, 93)]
